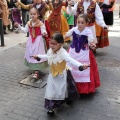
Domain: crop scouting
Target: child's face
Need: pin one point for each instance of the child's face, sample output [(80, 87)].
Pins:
[(33, 14), (81, 23), (54, 45)]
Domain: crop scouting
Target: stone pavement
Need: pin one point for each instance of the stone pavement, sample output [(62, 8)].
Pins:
[(11, 39), (21, 102)]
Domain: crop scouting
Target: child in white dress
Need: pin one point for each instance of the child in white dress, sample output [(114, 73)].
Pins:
[(35, 44), (60, 83)]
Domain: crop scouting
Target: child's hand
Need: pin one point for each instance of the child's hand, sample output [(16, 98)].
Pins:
[(106, 29), (85, 66), (36, 57), (92, 45), (31, 5), (44, 34), (16, 24)]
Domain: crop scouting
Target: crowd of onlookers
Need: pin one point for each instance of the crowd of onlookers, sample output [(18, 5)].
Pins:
[(8, 9)]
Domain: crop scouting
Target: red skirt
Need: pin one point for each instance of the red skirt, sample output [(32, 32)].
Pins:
[(89, 87), (103, 40), (47, 39)]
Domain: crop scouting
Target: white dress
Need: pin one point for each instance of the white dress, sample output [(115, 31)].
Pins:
[(57, 85)]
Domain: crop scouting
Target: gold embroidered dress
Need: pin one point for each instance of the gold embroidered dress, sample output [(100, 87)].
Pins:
[(57, 80)]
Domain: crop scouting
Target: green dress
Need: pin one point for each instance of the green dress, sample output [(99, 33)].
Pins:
[(70, 18)]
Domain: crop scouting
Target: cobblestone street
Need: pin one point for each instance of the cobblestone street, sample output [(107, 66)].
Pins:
[(21, 102)]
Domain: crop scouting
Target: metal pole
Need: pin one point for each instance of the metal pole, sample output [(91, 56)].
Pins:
[(27, 21), (119, 11), (1, 32)]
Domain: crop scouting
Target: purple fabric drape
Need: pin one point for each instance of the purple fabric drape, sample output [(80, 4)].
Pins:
[(79, 42)]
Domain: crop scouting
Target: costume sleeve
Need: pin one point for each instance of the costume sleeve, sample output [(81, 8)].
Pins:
[(69, 33), (99, 16), (43, 29), (70, 60), (45, 56), (24, 6), (90, 39), (23, 29), (90, 36), (72, 10)]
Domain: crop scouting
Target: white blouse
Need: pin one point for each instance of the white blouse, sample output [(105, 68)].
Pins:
[(86, 32), (60, 55)]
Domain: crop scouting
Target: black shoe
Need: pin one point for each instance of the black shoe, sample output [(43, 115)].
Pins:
[(50, 112), (69, 102), (10, 29)]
